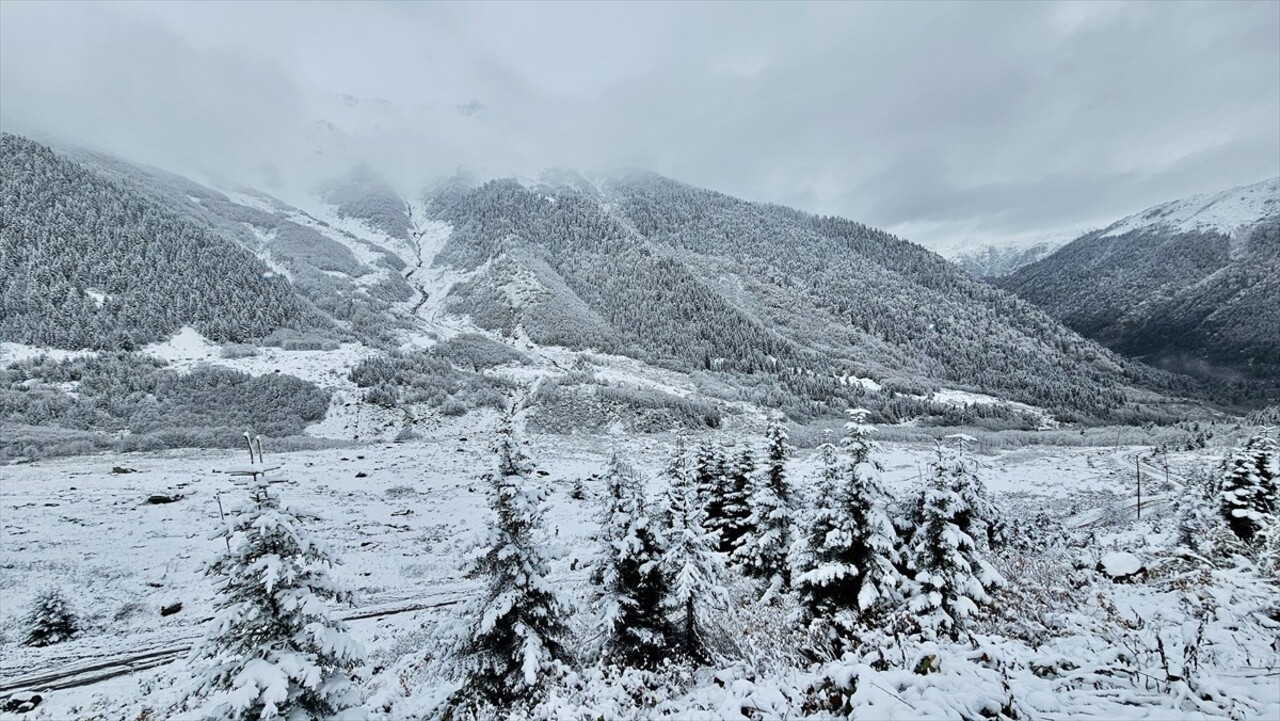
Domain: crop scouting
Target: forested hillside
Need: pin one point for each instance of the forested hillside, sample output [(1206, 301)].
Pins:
[(88, 263), (700, 281), (1175, 289)]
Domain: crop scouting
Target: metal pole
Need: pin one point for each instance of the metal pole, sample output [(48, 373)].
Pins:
[(1137, 466)]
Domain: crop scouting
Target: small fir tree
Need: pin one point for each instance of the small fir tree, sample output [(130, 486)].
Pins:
[(1201, 526), (951, 579), (632, 600), (273, 650), (979, 518), (711, 480), (517, 636), (693, 567), (765, 553), (850, 551), (1249, 488), (1262, 449), (50, 620), (734, 524)]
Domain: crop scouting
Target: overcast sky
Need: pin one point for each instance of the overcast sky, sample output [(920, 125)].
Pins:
[(941, 122)]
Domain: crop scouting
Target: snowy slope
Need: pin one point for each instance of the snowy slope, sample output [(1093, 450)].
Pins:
[(1226, 212)]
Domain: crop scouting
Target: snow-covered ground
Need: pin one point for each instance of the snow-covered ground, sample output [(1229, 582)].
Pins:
[(401, 515)]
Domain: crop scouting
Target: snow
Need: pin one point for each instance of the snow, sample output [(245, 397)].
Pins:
[(403, 528), (1120, 564), (1224, 212), (960, 398), (16, 352), (185, 346), (99, 298)]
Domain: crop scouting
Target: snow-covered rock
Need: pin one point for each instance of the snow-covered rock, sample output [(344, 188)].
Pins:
[(1121, 566)]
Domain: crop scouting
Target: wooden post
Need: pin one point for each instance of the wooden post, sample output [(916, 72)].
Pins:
[(223, 516)]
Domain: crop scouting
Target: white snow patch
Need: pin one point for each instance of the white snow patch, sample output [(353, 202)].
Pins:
[(17, 352), (186, 345), (99, 298), (867, 383)]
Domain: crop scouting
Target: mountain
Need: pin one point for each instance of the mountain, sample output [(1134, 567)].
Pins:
[(786, 303), (745, 302), (1191, 285), (994, 261)]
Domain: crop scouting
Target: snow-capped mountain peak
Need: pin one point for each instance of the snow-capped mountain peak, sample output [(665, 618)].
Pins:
[(1225, 212)]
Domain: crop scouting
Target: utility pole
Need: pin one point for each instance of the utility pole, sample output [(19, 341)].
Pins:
[(1137, 467)]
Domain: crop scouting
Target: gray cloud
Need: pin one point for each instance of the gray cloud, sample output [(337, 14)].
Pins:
[(944, 122)]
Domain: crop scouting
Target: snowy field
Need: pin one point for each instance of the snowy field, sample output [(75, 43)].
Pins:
[(401, 515)]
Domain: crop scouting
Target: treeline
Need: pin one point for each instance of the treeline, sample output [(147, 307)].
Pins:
[(134, 402), (448, 376)]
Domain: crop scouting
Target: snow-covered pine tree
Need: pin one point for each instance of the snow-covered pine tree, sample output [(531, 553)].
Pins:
[(766, 552), (712, 482), (517, 636), (850, 552), (1249, 488), (632, 600), (979, 517), (273, 650), (1201, 526), (821, 521), (734, 523), (692, 565), (951, 579), (1267, 463), (857, 437), (50, 620)]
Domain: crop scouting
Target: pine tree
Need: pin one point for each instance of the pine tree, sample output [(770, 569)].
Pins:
[(734, 524), (848, 570), (1249, 488), (951, 579), (979, 517), (1265, 460), (517, 636), (712, 484), (766, 553), (691, 563), (633, 588), (1201, 526), (273, 650), (50, 620)]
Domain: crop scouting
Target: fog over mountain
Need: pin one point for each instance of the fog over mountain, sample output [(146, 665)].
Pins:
[(950, 125)]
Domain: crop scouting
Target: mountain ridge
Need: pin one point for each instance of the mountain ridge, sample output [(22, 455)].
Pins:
[(1189, 285)]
